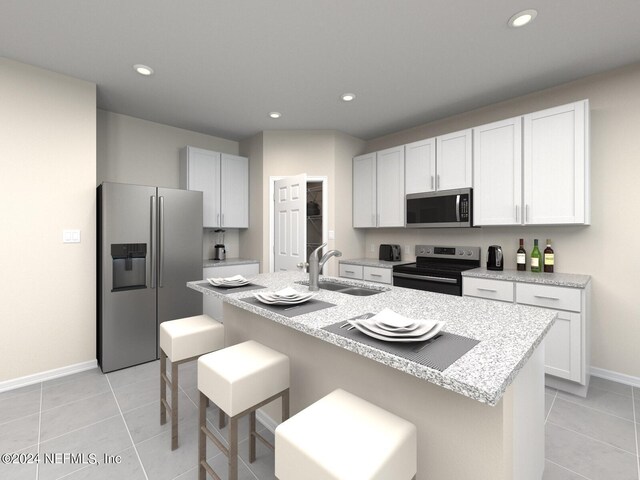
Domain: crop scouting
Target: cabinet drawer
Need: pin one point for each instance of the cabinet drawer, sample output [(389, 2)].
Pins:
[(490, 289), (351, 271), (558, 298), (377, 274)]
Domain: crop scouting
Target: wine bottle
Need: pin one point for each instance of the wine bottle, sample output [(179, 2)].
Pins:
[(521, 257), (536, 260), (549, 257)]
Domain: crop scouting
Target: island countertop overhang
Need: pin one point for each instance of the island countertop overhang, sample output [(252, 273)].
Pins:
[(508, 333)]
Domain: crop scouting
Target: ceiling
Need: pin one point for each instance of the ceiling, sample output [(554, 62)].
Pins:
[(222, 66)]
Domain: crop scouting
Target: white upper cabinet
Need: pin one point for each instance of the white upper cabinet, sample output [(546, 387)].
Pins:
[(420, 166), (234, 191), (556, 165), (454, 161), (364, 191), (224, 182), (390, 187), (497, 173)]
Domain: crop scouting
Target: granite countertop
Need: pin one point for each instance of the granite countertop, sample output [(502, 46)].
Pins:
[(555, 279), (508, 333), (209, 262), (372, 262)]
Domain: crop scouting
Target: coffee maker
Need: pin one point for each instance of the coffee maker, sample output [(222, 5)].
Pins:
[(219, 250), (494, 258)]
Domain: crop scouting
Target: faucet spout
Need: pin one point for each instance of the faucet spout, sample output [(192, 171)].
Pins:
[(316, 264)]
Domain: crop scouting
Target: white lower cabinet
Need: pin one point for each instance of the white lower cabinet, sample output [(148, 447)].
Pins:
[(364, 272), (211, 305), (567, 343)]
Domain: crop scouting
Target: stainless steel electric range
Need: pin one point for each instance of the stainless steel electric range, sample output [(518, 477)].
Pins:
[(437, 269)]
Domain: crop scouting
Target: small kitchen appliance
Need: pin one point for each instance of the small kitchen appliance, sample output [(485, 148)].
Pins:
[(219, 250), (389, 252), (444, 208), (437, 269), (495, 261)]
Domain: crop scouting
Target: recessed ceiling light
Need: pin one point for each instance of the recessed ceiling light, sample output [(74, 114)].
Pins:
[(275, 114), (143, 69), (348, 97), (522, 18)]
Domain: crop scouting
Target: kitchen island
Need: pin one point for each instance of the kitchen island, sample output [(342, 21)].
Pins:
[(480, 418)]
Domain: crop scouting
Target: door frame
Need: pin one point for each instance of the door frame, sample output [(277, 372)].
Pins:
[(325, 211)]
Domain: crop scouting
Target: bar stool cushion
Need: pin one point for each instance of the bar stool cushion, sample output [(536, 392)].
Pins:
[(243, 375), (342, 436), (191, 336)]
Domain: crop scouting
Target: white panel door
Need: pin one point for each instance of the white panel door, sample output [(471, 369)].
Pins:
[(290, 218), (234, 191), (454, 166), (420, 166), (364, 191), (497, 173), (556, 165), (203, 174), (390, 187)]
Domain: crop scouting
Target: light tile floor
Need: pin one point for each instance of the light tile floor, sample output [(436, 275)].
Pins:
[(118, 415)]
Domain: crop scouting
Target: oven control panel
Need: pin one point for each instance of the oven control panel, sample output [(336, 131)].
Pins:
[(436, 251)]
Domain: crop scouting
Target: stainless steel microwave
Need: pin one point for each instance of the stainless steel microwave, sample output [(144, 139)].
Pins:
[(446, 208)]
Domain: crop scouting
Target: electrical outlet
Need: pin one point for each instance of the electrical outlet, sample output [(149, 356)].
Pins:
[(71, 236)]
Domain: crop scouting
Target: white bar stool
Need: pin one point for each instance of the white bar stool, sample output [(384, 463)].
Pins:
[(343, 437), (239, 380), (183, 340)]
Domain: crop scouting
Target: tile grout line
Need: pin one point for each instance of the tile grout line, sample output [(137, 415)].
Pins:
[(598, 409), (567, 469), (39, 430), (86, 467), (144, 471), (594, 439), (635, 424), (81, 428), (551, 407)]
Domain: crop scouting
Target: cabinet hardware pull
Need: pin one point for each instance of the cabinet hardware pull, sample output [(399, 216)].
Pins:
[(218, 221), (487, 289), (438, 182), (517, 214), (349, 271), (545, 297), (526, 213), (375, 274), (432, 187), (222, 224)]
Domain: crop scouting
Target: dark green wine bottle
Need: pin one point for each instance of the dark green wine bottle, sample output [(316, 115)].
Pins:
[(536, 258)]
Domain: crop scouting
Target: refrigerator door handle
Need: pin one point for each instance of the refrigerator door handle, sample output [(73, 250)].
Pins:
[(161, 246), (152, 237)]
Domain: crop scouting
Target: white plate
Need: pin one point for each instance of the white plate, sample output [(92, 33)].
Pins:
[(430, 334), (281, 301), (422, 328), (235, 281), (388, 318)]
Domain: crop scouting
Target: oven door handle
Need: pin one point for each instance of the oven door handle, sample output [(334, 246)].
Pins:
[(426, 277)]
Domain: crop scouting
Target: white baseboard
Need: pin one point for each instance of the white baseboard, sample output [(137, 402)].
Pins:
[(267, 421), (615, 376), (48, 375)]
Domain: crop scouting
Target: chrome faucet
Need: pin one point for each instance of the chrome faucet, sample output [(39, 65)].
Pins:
[(315, 265)]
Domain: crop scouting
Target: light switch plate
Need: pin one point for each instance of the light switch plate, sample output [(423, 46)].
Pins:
[(71, 236), (332, 235)]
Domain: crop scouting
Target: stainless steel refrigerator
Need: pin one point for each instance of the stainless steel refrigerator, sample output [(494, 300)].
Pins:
[(149, 247)]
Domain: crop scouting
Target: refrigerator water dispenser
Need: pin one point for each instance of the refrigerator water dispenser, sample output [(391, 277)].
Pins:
[(129, 266)]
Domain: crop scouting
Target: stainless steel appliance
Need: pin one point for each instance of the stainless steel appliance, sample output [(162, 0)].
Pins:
[(149, 246), (446, 208), (389, 252), (494, 258), (219, 249), (437, 269)]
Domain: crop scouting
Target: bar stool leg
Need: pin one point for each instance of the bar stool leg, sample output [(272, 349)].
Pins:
[(285, 405), (233, 448), (163, 387), (221, 419), (202, 440), (252, 437), (174, 406)]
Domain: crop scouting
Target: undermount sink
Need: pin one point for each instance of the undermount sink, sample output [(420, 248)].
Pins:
[(347, 289)]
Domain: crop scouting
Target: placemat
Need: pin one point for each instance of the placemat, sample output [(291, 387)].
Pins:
[(227, 291), (437, 353), (291, 310)]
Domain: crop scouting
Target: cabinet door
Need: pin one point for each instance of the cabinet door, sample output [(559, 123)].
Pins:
[(234, 191), (556, 165), (563, 347), (390, 187), (364, 191), (497, 173), (454, 166), (203, 174), (420, 166)]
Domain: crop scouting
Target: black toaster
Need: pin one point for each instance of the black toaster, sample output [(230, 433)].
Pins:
[(389, 252)]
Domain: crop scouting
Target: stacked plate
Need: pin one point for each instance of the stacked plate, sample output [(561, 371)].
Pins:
[(229, 282), (393, 327), (287, 296)]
